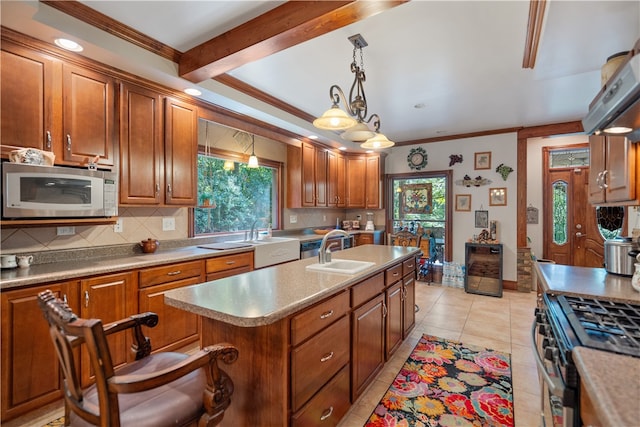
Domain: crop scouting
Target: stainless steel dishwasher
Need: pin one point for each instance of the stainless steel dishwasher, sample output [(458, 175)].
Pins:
[(311, 248)]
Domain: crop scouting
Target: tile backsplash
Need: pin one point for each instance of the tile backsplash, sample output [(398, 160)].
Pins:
[(141, 223), (137, 224)]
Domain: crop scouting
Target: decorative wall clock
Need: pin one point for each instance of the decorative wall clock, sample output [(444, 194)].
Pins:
[(417, 158)]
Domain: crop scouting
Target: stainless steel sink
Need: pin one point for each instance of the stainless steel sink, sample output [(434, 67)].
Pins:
[(341, 266), (274, 250)]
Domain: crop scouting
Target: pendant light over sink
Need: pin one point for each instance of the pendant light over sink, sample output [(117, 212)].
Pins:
[(353, 121)]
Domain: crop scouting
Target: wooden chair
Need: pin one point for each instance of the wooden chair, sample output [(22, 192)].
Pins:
[(404, 238), (161, 389)]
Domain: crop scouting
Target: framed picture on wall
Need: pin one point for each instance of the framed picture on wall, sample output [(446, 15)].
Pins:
[(498, 196), (463, 202), (482, 219), (482, 160)]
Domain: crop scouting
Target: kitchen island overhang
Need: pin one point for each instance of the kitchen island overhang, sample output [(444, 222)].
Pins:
[(299, 361)]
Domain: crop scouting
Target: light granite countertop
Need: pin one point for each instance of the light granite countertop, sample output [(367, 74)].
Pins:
[(611, 380), (613, 385), (262, 297), (585, 282), (72, 269)]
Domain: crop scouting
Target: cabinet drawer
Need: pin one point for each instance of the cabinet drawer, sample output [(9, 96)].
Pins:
[(328, 406), (366, 290), (409, 266), (230, 262), (316, 361), (393, 274), (169, 273), (318, 317)]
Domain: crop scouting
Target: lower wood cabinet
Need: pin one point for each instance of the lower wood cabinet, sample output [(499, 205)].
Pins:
[(109, 298), (30, 371), (368, 344), (328, 406), (229, 265), (394, 319), (176, 328)]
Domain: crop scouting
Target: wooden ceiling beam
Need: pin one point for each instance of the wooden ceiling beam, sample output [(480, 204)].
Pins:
[(285, 26), (534, 32)]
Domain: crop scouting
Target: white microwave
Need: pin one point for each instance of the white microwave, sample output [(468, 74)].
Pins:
[(33, 191)]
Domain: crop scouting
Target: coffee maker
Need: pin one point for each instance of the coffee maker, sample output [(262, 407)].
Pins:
[(369, 226)]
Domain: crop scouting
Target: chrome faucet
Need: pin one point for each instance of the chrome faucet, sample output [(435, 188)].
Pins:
[(324, 253), (253, 230)]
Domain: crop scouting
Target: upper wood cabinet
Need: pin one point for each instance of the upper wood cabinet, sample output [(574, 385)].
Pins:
[(58, 107), (355, 167), (29, 81), (141, 146), (372, 182), (88, 118), (336, 180), (181, 153), (307, 176), (613, 174)]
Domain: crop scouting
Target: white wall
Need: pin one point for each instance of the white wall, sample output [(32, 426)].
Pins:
[(503, 149)]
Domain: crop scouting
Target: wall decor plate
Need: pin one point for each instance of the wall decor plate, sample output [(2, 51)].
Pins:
[(417, 158)]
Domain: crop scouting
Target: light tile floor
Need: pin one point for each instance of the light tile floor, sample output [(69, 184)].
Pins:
[(498, 323)]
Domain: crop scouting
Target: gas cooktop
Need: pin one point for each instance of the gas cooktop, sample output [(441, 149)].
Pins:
[(604, 325)]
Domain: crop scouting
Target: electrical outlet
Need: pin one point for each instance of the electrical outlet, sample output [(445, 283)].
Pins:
[(168, 224), (293, 219), (324, 218), (117, 227), (66, 231)]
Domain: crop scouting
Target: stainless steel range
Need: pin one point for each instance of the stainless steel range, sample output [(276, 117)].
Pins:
[(564, 322)]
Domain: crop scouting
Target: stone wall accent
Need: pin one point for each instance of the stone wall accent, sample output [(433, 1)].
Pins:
[(525, 274)]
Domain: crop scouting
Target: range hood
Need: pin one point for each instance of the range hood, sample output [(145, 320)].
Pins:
[(617, 106)]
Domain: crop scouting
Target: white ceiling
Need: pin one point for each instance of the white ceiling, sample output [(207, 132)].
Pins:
[(461, 59)]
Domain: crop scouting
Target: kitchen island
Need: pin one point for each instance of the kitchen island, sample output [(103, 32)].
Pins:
[(309, 341), (609, 382)]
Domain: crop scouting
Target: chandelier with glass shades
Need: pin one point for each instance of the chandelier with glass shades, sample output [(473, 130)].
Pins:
[(354, 120)]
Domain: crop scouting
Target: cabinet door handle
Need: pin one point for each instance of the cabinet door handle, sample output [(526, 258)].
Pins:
[(384, 309), (230, 262), (327, 413), (396, 274), (169, 188), (326, 314), (157, 189), (174, 273), (598, 179), (327, 357), (604, 179), (86, 299), (64, 298), (68, 142), (48, 139)]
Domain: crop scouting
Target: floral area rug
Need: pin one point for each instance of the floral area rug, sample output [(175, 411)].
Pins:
[(447, 383)]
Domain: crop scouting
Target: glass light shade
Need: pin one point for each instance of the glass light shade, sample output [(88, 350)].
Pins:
[(253, 161), (617, 130), (334, 119), (378, 141), (358, 133), (228, 165)]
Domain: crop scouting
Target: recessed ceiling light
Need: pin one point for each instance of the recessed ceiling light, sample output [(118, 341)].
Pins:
[(192, 91), (313, 136), (68, 45), (343, 148), (369, 151)]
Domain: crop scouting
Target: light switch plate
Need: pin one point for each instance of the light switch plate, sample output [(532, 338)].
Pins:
[(293, 219), (168, 224), (117, 227)]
